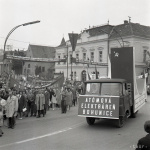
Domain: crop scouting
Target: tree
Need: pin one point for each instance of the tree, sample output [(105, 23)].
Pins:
[(17, 65)]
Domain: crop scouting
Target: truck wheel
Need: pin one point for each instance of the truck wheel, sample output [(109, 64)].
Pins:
[(121, 121), (90, 120)]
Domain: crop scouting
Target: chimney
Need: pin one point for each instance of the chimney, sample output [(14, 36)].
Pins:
[(125, 21)]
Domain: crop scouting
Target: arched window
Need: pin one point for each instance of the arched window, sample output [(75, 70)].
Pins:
[(83, 75)]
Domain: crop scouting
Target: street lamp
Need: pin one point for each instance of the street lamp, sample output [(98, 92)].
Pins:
[(24, 24)]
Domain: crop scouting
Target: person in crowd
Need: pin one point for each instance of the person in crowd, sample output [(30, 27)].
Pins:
[(54, 102), (73, 90), (58, 97), (40, 101), (79, 89), (47, 99), (63, 100), (14, 92), (30, 103), (4, 95), (26, 103), (35, 107), (11, 109), (2, 105), (51, 93), (69, 98), (144, 143), (77, 93), (22, 104)]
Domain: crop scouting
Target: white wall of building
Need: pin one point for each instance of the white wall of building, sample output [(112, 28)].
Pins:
[(87, 44)]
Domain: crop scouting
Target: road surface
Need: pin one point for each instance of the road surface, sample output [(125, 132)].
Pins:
[(58, 131)]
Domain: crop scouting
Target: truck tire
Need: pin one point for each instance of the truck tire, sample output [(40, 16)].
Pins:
[(90, 120), (121, 121)]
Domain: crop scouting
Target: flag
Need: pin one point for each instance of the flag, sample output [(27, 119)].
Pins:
[(88, 76), (96, 73), (73, 40)]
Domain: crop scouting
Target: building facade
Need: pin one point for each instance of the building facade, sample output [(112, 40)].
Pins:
[(38, 51), (94, 45)]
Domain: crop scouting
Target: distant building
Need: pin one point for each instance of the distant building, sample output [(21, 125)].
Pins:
[(94, 44), (38, 51)]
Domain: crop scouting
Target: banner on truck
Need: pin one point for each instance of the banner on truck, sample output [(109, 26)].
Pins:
[(98, 106)]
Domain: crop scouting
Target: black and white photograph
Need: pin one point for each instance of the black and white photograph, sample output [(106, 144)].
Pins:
[(74, 75)]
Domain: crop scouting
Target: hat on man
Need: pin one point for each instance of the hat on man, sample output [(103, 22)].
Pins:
[(147, 126)]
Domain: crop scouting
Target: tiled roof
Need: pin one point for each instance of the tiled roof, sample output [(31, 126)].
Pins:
[(106, 29), (126, 29), (129, 29), (141, 30), (42, 51)]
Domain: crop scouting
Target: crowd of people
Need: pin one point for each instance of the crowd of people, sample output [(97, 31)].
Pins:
[(35, 102)]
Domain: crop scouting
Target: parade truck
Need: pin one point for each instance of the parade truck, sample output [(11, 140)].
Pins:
[(118, 97)]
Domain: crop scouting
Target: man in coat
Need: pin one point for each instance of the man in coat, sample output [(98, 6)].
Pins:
[(40, 102), (30, 103), (47, 99), (63, 100), (11, 109), (69, 98)]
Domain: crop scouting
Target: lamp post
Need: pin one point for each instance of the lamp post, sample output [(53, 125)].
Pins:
[(24, 24)]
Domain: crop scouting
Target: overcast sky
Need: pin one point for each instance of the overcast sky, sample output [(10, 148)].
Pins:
[(60, 17)]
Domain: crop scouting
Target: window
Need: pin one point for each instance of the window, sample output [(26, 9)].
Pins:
[(84, 56), (24, 71), (111, 89), (70, 58), (92, 56), (114, 89), (93, 88), (100, 56), (58, 58), (43, 69), (75, 74), (28, 65), (77, 56), (66, 59)]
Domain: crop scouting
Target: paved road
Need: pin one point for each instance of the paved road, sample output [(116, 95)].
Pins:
[(59, 131)]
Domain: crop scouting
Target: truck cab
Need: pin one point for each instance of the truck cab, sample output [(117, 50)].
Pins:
[(105, 98)]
